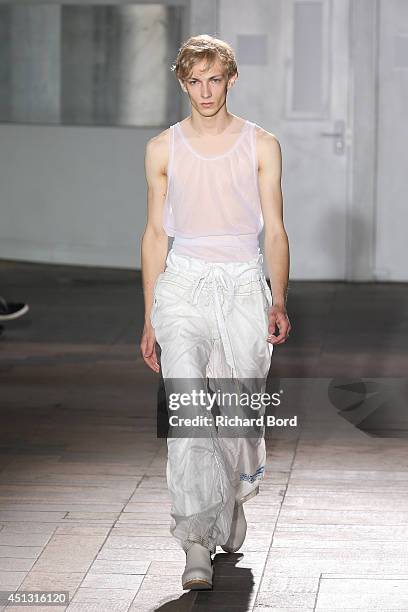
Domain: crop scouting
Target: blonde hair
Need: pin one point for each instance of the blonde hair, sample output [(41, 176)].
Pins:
[(204, 46)]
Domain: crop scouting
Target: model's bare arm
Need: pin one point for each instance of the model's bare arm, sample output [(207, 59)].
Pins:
[(276, 246), (154, 243)]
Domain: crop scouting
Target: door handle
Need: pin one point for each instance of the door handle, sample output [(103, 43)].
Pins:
[(338, 135), (334, 134)]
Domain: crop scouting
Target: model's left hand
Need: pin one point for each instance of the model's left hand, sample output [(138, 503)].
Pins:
[(278, 317)]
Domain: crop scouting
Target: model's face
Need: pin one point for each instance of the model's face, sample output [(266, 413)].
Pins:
[(207, 90)]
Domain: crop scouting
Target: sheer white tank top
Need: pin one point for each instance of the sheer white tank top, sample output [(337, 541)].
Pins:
[(212, 206)]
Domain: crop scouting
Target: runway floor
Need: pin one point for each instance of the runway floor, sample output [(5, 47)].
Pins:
[(84, 506)]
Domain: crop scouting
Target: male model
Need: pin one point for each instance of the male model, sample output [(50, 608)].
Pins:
[(214, 182)]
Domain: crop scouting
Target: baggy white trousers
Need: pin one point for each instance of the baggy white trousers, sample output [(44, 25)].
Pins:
[(211, 322)]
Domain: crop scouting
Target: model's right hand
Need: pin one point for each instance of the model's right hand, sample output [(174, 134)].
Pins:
[(148, 347)]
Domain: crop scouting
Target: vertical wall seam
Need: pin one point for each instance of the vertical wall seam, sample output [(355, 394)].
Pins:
[(376, 71)]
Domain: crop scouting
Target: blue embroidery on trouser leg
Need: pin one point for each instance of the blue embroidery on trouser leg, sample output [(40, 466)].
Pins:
[(253, 477)]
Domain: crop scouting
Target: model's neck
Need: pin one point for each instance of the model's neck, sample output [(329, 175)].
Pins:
[(210, 126)]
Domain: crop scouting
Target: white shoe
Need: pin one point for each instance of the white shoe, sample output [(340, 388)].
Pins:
[(198, 572), (238, 530)]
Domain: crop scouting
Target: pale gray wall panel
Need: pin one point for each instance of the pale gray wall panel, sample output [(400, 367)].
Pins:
[(89, 65)]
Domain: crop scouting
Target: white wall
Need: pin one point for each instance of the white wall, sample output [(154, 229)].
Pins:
[(391, 253), (72, 194)]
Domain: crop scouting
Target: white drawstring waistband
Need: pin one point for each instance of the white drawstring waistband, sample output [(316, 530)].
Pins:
[(216, 274)]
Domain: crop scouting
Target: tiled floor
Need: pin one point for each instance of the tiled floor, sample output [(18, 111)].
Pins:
[(84, 505)]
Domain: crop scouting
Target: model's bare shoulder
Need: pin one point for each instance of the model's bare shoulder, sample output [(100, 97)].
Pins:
[(265, 138), (157, 153), (268, 149)]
